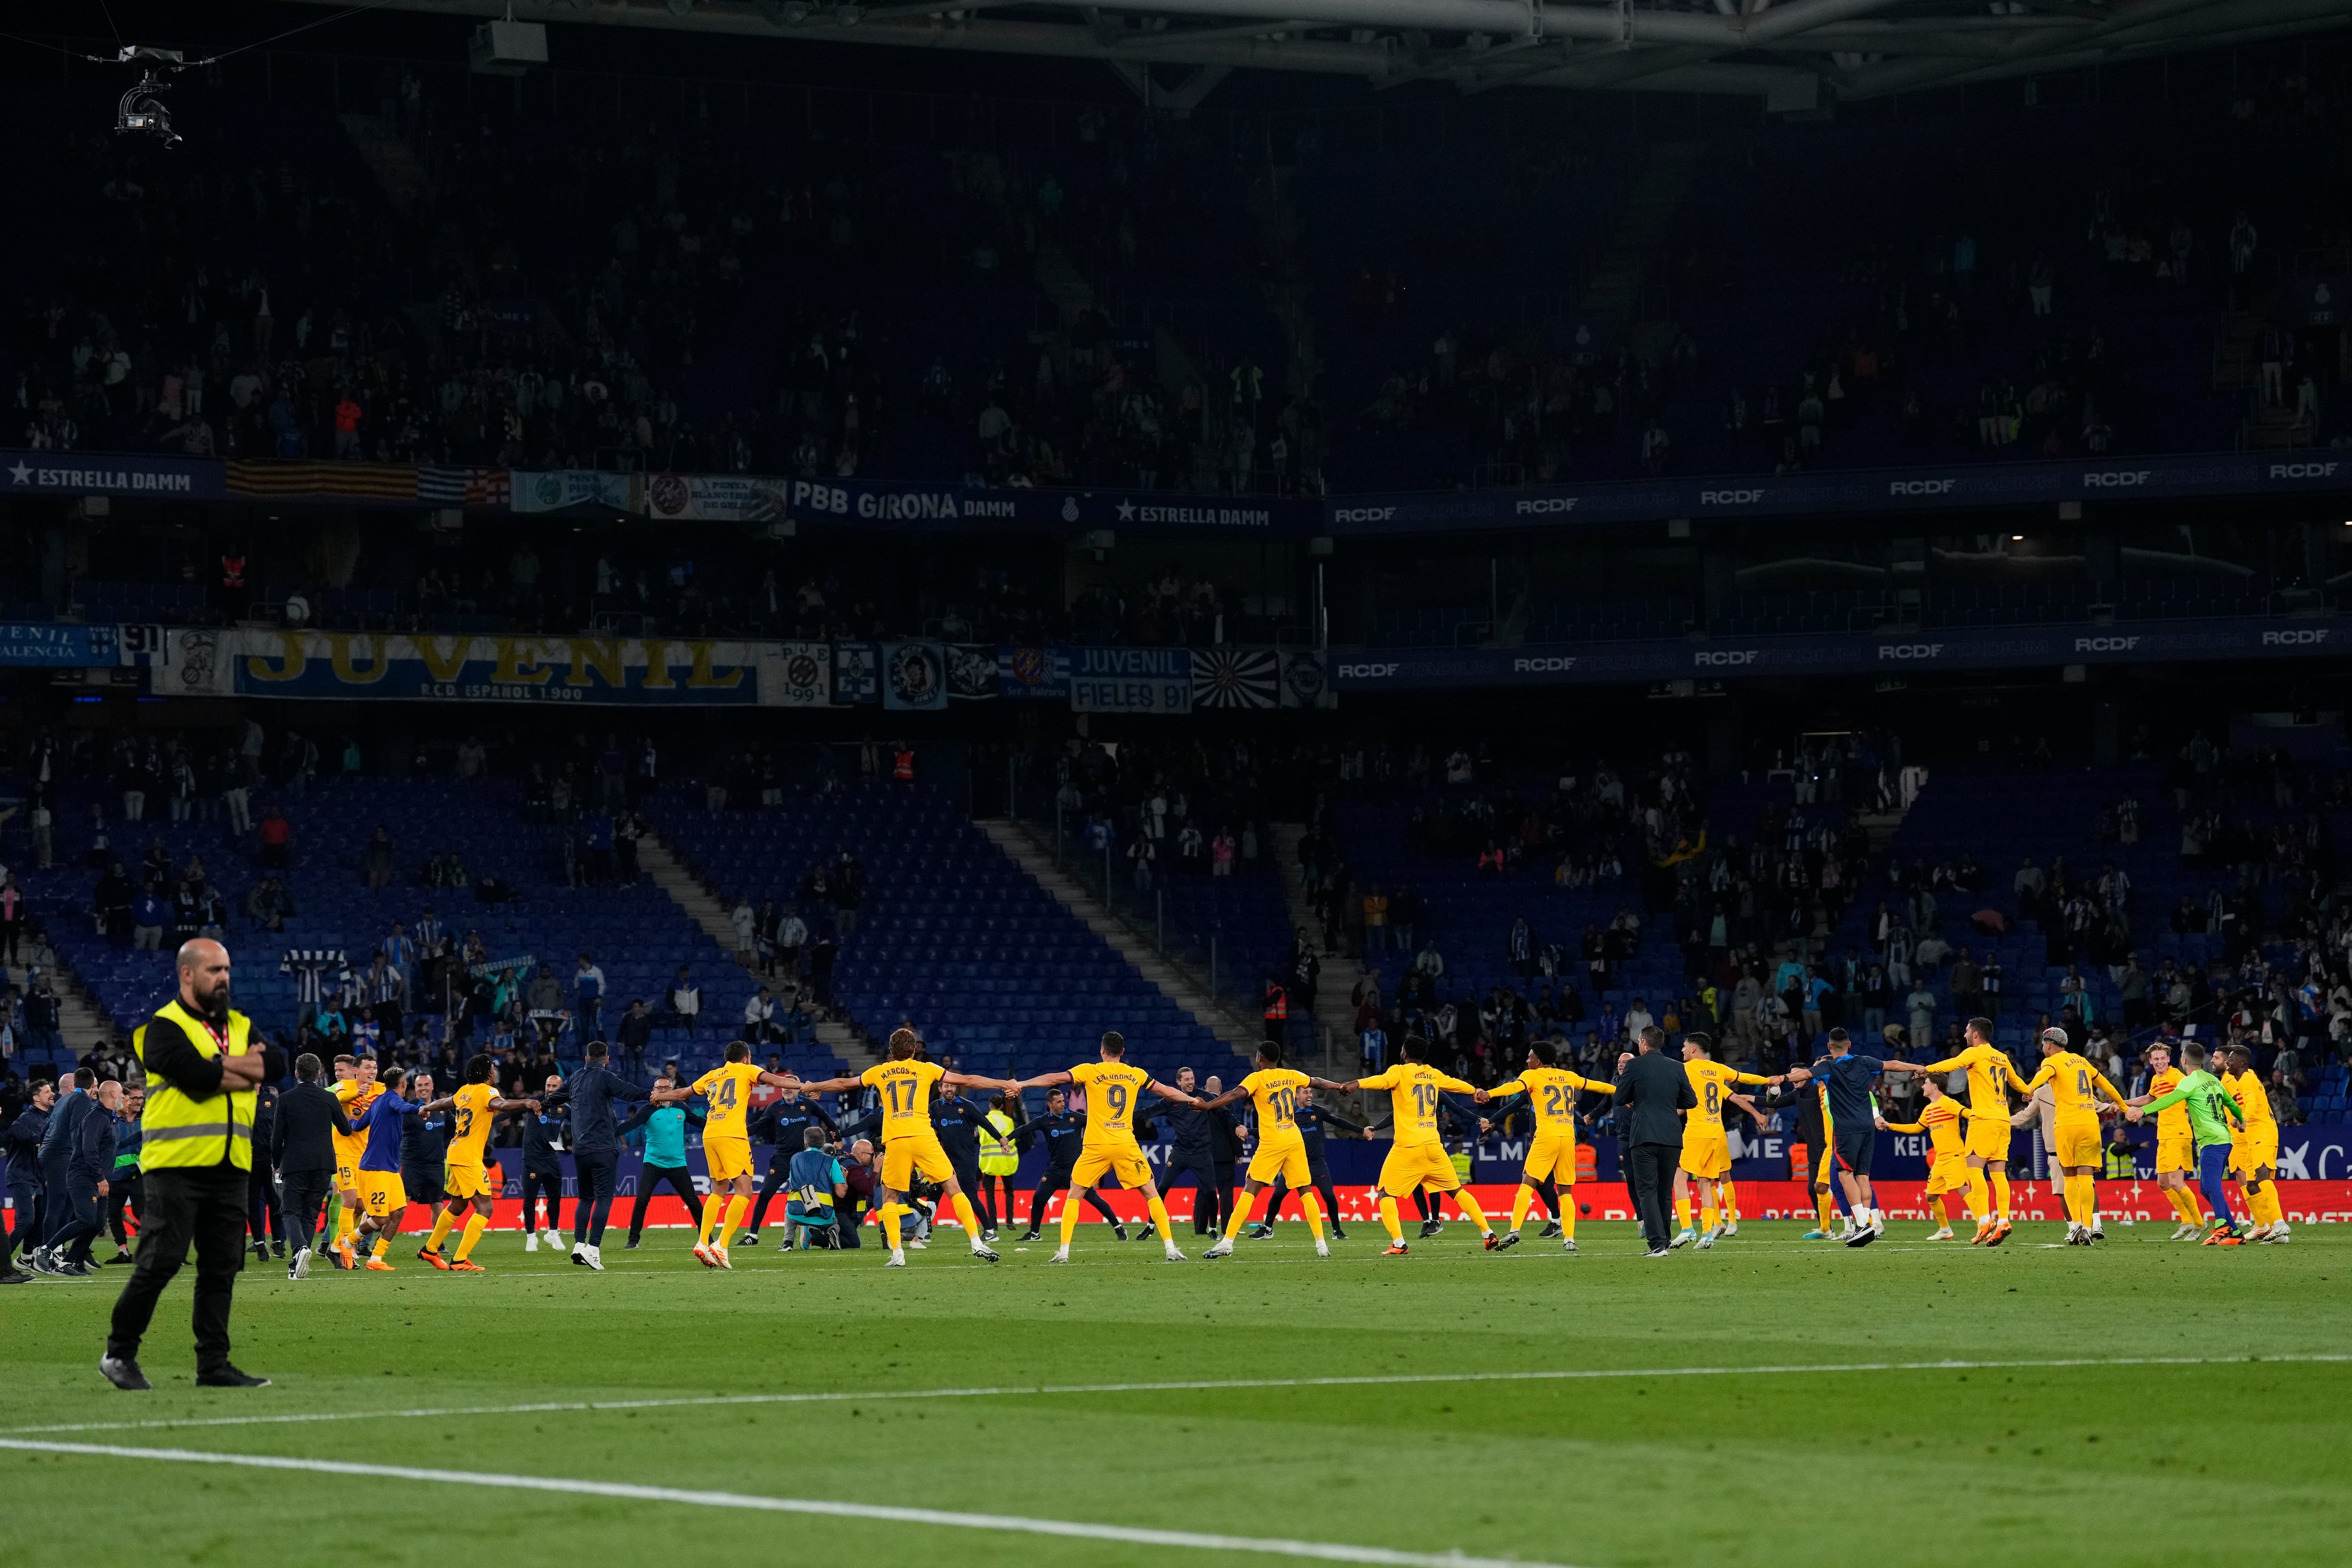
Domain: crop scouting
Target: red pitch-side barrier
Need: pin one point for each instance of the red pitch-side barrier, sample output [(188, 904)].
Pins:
[(2307, 1202)]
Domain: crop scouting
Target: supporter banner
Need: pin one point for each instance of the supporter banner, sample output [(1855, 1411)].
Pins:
[(1027, 672), (914, 676), (142, 645), (1131, 680), (2319, 301), (1306, 681), (463, 487), (1236, 678), (109, 474), (715, 497), (1942, 648), (337, 665), (1857, 490), (887, 504), (61, 647), (804, 675), (282, 479), (554, 489), (972, 672), (857, 674)]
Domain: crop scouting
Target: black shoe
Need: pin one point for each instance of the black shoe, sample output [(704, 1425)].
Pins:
[(277, 1250), (1430, 1227), (1863, 1236), (124, 1374), (1261, 1232), (13, 1277), (749, 1239), (1031, 1236), (121, 1257), (230, 1377), (1119, 1231), (630, 1245), (1507, 1238), (1550, 1231), (1338, 1234)]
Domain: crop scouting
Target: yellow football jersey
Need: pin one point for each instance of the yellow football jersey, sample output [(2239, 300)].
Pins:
[(1712, 1082), (1274, 1091), (906, 1088), (1113, 1090), (356, 1102), (2253, 1102), (1553, 1091), (470, 1122), (1942, 1121), (2172, 1122), (727, 1090), (1415, 1089), (1989, 1073), (2074, 1084)]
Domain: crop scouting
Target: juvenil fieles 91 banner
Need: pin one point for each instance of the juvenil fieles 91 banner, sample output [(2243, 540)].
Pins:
[(911, 676)]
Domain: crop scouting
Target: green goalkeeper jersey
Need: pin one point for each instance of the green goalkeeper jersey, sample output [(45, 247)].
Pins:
[(2203, 1094)]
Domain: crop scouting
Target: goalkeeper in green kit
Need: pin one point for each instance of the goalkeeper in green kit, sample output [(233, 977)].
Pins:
[(2205, 1098)]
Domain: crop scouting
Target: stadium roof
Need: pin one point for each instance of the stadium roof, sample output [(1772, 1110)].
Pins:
[(1785, 53)]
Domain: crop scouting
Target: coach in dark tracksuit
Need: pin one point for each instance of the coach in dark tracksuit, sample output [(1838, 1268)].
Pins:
[(57, 1155), (265, 1216), (1314, 1123), (90, 1166), (24, 1155), (592, 1092), (424, 1155), (957, 1122), (542, 1169), (783, 1127), (1064, 1133), (302, 1148), (1195, 1152), (1651, 1089)]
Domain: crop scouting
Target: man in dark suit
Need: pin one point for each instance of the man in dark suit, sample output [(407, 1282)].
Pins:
[(1652, 1091), (304, 1154)]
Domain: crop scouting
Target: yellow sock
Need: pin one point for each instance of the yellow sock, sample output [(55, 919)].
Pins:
[(1825, 1210), (476, 1223), (1159, 1218), (1682, 1213), (969, 1217), (441, 1224), (1521, 1201), (1389, 1220), (712, 1208), (890, 1212), (2000, 1192), (2265, 1203), (1243, 1203), (1069, 1220), (2090, 1199), (1568, 1213), (1314, 1207), (737, 1207), (347, 1223), (383, 1245), (2180, 1205), (1943, 1212), (1470, 1207), (2075, 1207), (1980, 1195), (2186, 1201), (1728, 1193)]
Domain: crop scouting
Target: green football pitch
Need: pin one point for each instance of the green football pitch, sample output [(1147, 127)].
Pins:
[(1773, 1401)]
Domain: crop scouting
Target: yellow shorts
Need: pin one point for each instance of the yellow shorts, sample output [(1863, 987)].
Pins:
[(2175, 1154), (466, 1181), (727, 1158), (1550, 1154), (1130, 1165), (347, 1176), (1989, 1140), (1410, 1165), (903, 1158), (1948, 1173), (1709, 1159), (384, 1193), (2077, 1142), (2252, 1152), (1283, 1157)]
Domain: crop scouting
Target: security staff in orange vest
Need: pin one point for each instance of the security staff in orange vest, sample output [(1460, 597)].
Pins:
[(202, 1067)]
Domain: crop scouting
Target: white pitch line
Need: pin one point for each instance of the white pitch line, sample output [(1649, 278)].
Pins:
[(1197, 1386), (1329, 1552)]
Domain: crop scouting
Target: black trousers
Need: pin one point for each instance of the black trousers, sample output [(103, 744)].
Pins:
[(850, 1215), (992, 1195), (123, 1194), (85, 1219), (57, 1207), (261, 1205), (543, 1184), (1215, 1199), (203, 1207), (299, 1206), (1317, 1172), (26, 1233), (778, 1172), (1058, 1180), (681, 1181), (1650, 1171), (595, 1174)]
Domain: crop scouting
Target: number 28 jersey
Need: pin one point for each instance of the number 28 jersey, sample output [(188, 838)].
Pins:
[(1113, 1090), (906, 1091)]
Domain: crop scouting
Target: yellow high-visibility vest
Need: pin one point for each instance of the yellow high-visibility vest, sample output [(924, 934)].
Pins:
[(999, 1154), (177, 1130)]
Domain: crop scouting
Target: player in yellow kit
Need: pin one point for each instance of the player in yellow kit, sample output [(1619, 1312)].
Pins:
[(1273, 1088), (1551, 1091), (2077, 1089), (1418, 1157), (2176, 1147), (1945, 1121), (1990, 1077), (466, 1177), (1707, 1150), (356, 1090), (2253, 1157), (726, 1091), (910, 1145), (1114, 1091)]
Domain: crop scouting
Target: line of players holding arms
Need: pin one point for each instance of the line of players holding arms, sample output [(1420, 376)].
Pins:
[(2210, 1128)]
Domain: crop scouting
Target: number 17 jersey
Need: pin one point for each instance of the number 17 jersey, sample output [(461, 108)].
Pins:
[(906, 1090), (1113, 1089)]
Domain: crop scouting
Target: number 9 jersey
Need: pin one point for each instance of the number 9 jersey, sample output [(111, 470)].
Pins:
[(1112, 1091)]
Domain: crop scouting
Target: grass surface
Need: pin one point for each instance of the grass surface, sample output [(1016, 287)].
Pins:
[(2019, 1464)]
